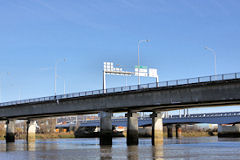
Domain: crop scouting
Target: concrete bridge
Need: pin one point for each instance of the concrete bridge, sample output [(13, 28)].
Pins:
[(209, 91), (211, 118)]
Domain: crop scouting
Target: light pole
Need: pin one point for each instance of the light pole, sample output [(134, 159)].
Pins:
[(139, 42), (215, 58), (55, 76)]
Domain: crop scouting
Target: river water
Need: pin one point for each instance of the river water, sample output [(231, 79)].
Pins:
[(88, 148)]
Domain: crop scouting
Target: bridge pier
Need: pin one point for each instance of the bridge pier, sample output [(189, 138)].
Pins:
[(132, 128), (10, 131), (178, 131), (105, 128), (31, 131), (229, 131), (170, 131), (157, 128)]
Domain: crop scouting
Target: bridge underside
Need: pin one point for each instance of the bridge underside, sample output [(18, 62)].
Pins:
[(207, 94)]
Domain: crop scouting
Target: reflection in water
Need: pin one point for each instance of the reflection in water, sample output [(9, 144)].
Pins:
[(105, 152), (10, 146), (88, 149), (31, 146), (157, 152), (132, 152)]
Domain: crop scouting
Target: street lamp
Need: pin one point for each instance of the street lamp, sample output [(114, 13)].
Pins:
[(139, 42), (215, 58), (55, 76)]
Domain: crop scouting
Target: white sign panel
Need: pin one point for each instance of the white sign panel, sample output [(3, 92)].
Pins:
[(152, 72), (110, 69), (141, 74), (108, 66), (141, 70)]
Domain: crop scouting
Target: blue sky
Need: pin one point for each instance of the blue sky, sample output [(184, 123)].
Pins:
[(35, 34)]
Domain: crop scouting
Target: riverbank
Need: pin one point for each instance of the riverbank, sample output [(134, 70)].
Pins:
[(71, 135), (44, 136)]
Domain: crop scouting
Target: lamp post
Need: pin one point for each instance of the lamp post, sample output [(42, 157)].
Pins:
[(55, 76), (139, 42), (215, 58)]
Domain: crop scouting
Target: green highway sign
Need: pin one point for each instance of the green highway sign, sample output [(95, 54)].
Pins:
[(141, 67)]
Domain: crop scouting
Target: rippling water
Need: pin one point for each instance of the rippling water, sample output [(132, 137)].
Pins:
[(88, 148)]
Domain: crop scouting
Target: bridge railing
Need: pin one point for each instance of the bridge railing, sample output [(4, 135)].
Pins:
[(129, 88), (205, 115)]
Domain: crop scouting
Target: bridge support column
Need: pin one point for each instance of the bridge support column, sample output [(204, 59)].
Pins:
[(132, 128), (157, 128), (178, 131), (10, 131), (170, 131), (229, 131), (105, 128), (31, 131)]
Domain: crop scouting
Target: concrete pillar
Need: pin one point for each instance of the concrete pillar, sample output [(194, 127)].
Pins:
[(229, 131), (170, 130), (157, 128), (10, 131), (178, 131), (132, 128), (31, 131), (105, 128)]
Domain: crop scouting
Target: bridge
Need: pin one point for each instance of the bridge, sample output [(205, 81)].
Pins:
[(211, 118), (208, 91)]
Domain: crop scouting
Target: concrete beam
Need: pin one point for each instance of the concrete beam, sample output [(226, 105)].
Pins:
[(105, 128), (132, 128), (157, 128), (164, 98), (10, 131), (31, 131)]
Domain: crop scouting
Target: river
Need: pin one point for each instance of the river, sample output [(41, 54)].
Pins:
[(87, 148)]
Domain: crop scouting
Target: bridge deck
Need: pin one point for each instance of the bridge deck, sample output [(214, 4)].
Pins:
[(169, 95)]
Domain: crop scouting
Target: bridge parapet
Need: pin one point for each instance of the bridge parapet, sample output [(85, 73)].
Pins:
[(211, 78), (207, 115)]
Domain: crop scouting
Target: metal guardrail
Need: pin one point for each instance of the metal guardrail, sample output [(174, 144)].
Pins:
[(201, 115), (128, 88), (205, 115)]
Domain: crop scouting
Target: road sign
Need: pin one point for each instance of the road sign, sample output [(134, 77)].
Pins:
[(152, 72), (143, 67), (141, 71), (110, 69)]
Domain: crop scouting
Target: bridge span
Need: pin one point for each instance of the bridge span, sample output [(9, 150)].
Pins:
[(220, 90), (211, 118), (209, 91)]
